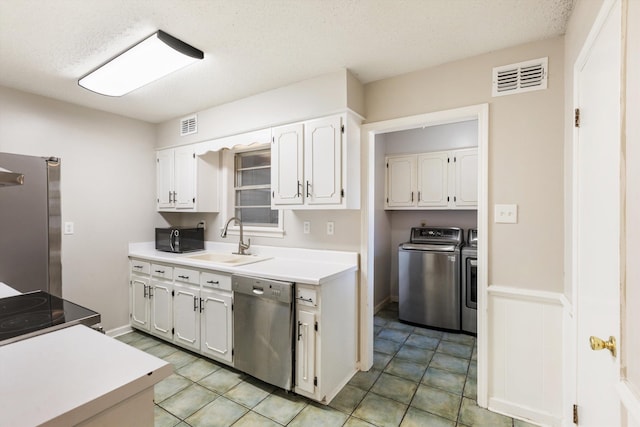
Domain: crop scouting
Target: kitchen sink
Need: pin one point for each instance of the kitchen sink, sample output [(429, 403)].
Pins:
[(227, 258)]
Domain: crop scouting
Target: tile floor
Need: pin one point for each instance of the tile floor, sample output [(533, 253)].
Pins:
[(420, 377)]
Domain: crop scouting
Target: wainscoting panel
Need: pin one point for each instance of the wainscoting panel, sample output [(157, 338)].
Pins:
[(525, 349)]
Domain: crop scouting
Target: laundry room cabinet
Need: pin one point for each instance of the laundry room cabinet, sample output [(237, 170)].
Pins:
[(185, 181), (316, 164), (436, 180)]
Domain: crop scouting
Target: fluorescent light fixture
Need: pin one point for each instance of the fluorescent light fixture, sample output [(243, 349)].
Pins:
[(156, 56)]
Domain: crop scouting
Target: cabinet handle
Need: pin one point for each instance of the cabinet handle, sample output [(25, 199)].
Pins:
[(137, 266), (184, 277), (159, 271), (299, 333), (213, 282), (299, 189), (149, 292), (175, 197), (195, 303), (145, 291), (418, 196), (308, 189), (412, 196), (201, 304), (306, 299)]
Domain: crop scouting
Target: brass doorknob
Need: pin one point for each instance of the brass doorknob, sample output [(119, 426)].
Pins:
[(599, 344)]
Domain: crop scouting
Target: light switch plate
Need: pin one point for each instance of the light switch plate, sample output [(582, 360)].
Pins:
[(306, 227), (330, 228), (506, 214), (68, 227)]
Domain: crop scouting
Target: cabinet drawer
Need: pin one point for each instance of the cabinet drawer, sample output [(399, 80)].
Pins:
[(163, 271), (306, 296), (140, 267), (215, 280), (186, 275)]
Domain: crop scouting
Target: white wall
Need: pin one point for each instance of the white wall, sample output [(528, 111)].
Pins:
[(107, 182), (525, 152)]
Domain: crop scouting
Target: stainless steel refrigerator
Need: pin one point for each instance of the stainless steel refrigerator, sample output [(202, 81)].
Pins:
[(30, 228)]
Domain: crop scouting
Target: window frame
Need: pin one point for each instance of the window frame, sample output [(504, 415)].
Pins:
[(229, 165)]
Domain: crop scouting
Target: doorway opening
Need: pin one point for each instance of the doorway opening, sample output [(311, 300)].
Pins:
[(380, 227)]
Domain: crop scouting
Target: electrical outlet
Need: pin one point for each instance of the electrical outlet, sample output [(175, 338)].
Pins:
[(330, 228), (507, 214), (306, 227), (68, 227)]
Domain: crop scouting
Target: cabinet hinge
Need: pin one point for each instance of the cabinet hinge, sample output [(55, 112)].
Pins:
[(342, 193), (576, 118), (273, 194), (194, 200), (575, 414), (387, 200), (273, 139), (455, 159), (233, 351), (315, 326), (447, 198), (448, 160), (387, 165), (157, 160), (173, 331), (342, 128), (173, 293), (194, 155), (315, 381)]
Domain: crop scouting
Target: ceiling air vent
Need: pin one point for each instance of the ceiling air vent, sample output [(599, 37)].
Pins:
[(189, 125), (522, 77)]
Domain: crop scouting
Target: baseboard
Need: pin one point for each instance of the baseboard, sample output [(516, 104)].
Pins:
[(523, 413), (116, 332), (381, 305)]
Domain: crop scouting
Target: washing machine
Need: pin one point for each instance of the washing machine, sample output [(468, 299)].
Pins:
[(429, 277), (469, 283)]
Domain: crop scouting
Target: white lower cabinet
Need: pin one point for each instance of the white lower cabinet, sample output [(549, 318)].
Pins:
[(216, 324), (306, 379), (139, 306), (326, 337), (160, 306), (186, 316)]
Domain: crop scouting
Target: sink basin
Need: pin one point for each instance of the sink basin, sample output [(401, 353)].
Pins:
[(227, 259)]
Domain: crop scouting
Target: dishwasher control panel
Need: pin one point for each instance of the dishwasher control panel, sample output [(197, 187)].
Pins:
[(263, 288)]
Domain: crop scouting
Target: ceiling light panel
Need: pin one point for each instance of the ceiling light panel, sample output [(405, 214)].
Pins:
[(153, 58)]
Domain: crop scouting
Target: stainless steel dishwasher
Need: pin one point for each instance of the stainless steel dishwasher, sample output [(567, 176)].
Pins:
[(263, 329)]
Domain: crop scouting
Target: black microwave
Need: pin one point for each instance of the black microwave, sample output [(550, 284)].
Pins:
[(179, 239)]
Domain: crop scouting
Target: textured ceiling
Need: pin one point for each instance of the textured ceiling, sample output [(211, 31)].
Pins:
[(253, 45)]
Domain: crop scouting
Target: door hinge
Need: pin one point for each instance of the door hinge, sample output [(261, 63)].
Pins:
[(342, 128), (315, 381), (576, 118), (575, 414)]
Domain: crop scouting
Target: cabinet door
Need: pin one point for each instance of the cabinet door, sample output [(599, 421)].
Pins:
[(186, 316), (164, 179), (286, 165), (306, 351), (466, 165), (160, 302), (323, 161), (184, 177), (433, 179), (401, 178), (139, 302), (216, 325)]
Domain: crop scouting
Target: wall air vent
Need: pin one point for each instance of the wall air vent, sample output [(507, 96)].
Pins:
[(189, 125), (522, 77)]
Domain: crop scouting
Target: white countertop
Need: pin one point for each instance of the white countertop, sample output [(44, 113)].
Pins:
[(7, 291), (64, 377), (307, 266)]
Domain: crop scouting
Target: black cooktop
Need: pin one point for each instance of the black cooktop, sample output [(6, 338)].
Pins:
[(34, 313)]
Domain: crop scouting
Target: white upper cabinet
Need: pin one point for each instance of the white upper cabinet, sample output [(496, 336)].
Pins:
[(287, 161), (437, 180), (401, 181), (186, 181), (466, 166), (309, 164)]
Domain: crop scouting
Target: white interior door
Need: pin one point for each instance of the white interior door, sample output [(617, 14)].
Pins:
[(596, 216)]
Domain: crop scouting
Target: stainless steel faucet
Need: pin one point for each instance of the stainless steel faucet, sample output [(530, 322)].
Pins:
[(242, 246)]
